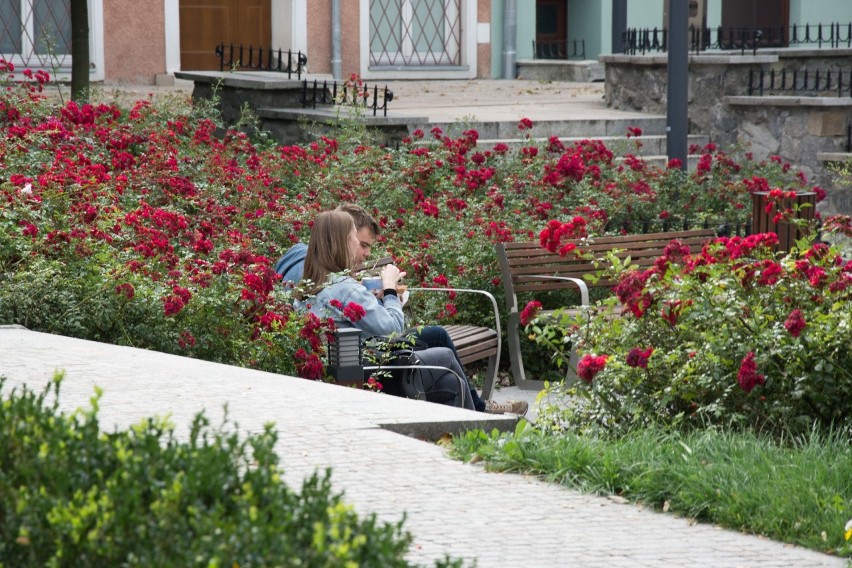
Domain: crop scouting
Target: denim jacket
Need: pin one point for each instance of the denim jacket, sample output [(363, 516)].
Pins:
[(382, 318)]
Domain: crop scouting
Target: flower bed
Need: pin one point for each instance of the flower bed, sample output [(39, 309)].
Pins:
[(738, 335), (150, 227)]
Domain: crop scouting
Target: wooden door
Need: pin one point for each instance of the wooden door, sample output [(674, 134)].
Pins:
[(771, 17), (204, 24), (551, 29)]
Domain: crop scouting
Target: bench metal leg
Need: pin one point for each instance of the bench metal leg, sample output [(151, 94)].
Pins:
[(515, 357), (490, 378), (571, 374)]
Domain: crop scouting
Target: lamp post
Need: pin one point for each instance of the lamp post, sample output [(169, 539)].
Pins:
[(677, 129), (344, 357), (619, 25)]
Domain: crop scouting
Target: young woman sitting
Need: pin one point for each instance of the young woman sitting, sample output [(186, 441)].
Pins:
[(333, 292)]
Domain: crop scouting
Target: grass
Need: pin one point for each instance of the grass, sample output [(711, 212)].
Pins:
[(795, 491)]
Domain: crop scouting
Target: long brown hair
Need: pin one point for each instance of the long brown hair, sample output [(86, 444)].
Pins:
[(328, 249)]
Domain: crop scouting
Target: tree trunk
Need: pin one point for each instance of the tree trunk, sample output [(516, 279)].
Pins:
[(80, 50)]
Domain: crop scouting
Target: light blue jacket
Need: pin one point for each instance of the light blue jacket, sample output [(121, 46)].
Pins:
[(383, 318)]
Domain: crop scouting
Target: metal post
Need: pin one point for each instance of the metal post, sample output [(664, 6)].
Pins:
[(619, 25), (510, 38), (335, 40), (677, 114)]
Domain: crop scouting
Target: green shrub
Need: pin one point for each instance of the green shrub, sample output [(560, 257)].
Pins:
[(73, 495), (738, 335)]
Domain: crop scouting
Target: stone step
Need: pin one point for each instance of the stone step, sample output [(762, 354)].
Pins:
[(654, 144), (575, 128)]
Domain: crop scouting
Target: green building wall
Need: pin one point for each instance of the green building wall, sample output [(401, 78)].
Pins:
[(591, 20), (526, 28), (820, 11), (496, 39)]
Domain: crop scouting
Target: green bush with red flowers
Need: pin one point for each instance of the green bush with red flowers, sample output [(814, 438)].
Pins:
[(151, 226), (738, 335)]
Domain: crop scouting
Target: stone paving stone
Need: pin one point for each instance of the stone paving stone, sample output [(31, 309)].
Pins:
[(452, 508)]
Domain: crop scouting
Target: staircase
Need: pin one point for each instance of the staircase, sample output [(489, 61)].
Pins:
[(650, 146), (570, 111)]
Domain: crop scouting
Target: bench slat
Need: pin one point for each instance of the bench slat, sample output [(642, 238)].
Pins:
[(520, 261), (473, 343)]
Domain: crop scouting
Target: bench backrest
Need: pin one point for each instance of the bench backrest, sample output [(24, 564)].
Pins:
[(373, 267), (521, 260)]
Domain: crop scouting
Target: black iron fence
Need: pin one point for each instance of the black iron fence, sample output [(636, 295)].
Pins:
[(837, 35), (655, 40), (650, 40), (807, 81), (261, 59), (559, 49), (356, 95)]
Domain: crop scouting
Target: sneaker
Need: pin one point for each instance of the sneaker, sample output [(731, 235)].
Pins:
[(518, 407)]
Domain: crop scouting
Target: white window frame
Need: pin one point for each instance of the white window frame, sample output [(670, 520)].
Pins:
[(465, 70), (63, 63)]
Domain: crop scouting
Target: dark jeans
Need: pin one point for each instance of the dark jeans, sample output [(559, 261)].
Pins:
[(437, 336)]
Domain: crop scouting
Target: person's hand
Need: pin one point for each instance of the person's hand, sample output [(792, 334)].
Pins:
[(390, 276)]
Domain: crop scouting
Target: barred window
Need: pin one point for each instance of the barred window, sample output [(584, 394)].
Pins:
[(36, 33), (415, 32)]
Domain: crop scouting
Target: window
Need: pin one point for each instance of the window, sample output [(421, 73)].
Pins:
[(415, 32), (36, 33)]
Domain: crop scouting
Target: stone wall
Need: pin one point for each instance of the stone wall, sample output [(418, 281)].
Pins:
[(797, 128), (559, 70)]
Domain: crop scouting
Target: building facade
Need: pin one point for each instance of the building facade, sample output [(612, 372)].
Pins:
[(145, 42), (591, 20)]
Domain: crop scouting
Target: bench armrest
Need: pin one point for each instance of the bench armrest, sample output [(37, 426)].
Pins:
[(485, 293), (584, 288)]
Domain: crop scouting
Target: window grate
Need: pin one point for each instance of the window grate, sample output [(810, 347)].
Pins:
[(36, 33), (415, 32)]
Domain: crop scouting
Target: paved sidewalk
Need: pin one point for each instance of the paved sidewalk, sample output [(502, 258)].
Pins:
[(452, 508)]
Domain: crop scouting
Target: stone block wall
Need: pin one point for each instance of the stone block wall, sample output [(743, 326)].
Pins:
[(797, 128)]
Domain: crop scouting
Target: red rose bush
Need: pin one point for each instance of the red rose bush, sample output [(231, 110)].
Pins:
[(738, 335), (152, 226)]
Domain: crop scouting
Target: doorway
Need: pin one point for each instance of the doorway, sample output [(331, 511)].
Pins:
[(204, 24), (770, 18), (551, 29)]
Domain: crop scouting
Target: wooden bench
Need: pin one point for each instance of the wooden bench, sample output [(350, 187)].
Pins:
[(528, 268)]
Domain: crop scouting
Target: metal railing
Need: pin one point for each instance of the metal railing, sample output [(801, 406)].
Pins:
[(559, 49), (811, 34), (813, 81), (650, 40), (261, 59), (655, 40), (361, 95)]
